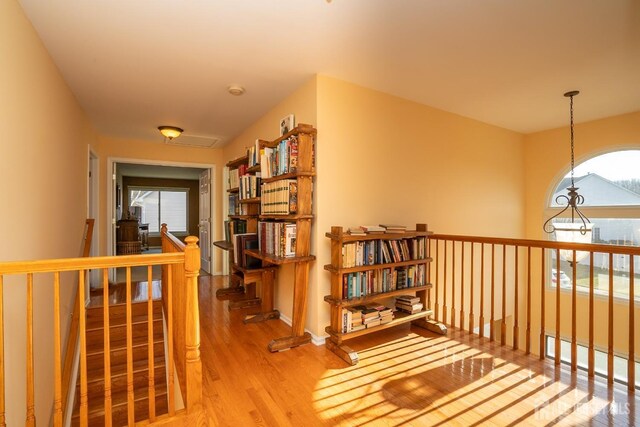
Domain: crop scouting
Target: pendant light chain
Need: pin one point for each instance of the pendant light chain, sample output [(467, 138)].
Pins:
[(571, 109)]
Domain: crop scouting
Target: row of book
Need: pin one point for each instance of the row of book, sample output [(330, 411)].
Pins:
[(254, 153), (235, 207), (242, 242), (235, 174), (279, 197), (363, 230), (409, 304), (360, 317), (233, 227), (280, 160), (249, 186), (371, 252), (277, 238), (363, 283)]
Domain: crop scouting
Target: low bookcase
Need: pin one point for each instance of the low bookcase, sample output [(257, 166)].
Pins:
[(376, 265)]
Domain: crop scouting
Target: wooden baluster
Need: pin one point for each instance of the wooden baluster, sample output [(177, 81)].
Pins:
[(462, 286), (471, 292), (493, 292), (453, 283), (557, 341), (503, 323), (481, 318), (631, 361), (57, 368), (3, 421), (84, 403), (592, 356), (150, 339), (31, 417), (130, 397), (108, 420), (429, 272), (193, 364), (543, 345), (516, 332), (170, 368), (444, 285), (610, 349), (435, 283), (528, 331), (574, 343)]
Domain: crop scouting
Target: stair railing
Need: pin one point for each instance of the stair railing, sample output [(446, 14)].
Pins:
[(484, 283), (181, 305)]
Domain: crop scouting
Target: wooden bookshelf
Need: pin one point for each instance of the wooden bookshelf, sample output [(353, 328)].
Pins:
[(337, 330), (303, 175)]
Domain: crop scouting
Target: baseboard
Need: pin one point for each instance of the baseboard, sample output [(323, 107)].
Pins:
[(316, 340)]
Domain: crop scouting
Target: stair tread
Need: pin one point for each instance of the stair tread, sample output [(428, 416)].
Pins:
[(122, 345), (120, 400), (139, 366), (136, 320)]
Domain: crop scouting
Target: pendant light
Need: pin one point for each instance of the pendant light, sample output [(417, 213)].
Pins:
[(579, 229)]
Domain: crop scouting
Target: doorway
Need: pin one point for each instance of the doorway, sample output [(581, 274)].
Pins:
[(159, 192)]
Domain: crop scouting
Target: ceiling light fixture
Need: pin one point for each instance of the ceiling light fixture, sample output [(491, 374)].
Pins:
[(579, 229), (170, 131), (236, 90)]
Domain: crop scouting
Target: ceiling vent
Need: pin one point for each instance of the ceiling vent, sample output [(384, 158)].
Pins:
[(194, 141)]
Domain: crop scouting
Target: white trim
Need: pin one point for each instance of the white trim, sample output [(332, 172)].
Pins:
[(110, 202), (315, 339)]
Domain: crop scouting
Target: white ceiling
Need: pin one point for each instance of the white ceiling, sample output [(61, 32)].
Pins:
[(134, 65)]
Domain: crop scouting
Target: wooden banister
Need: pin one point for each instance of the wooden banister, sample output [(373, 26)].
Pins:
[(561, 315)]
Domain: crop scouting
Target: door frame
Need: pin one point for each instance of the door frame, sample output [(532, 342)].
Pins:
[(93, 210), (111, 207)]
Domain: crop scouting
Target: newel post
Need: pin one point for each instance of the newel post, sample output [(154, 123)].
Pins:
[(193, 363)]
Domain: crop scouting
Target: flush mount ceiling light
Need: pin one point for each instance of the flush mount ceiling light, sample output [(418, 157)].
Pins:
[(236, 90), (170, 131)]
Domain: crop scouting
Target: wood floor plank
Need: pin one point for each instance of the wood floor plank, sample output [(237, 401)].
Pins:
[(406, 376)]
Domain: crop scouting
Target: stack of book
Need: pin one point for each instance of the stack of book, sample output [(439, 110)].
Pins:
[(352, 320), (241, 242), (235, 174), (393, 228), (356, 231), (372, 229), (409, 304), (373, 315)]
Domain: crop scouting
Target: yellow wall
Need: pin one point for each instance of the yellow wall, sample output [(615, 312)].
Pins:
[(141, 151), (385, 159), (547, 160), (43, 185)]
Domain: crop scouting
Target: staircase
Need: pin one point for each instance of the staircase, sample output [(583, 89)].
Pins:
[(140, 365)]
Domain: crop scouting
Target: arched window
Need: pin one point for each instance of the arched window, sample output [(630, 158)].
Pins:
[(610, 184)]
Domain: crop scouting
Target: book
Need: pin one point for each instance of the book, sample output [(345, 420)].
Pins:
[(408, 299), (372, 228), (393, 228)]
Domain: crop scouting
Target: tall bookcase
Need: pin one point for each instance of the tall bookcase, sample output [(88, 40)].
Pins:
[(302, 175), (339, 300)]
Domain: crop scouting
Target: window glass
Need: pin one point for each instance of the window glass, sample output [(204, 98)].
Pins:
[(611, 179), (161, 206)]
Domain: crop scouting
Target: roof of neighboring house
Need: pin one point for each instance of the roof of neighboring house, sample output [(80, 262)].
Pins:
[(598, 191)]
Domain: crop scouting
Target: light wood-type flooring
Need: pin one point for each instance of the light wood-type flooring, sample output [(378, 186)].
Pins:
[(406, 377)]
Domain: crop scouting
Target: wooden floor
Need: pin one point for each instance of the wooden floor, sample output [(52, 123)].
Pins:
[(406, 376)]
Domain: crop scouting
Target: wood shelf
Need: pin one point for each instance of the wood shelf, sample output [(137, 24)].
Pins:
[(233, 164), (399, 318), (223, 244), (254, 168), (291, 217), (288, 176), (252, 270), (253, 200), (243, 216), (233, 190), (335, 270), (372, 297), (278, 260), (346, 238), (301, 128)]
